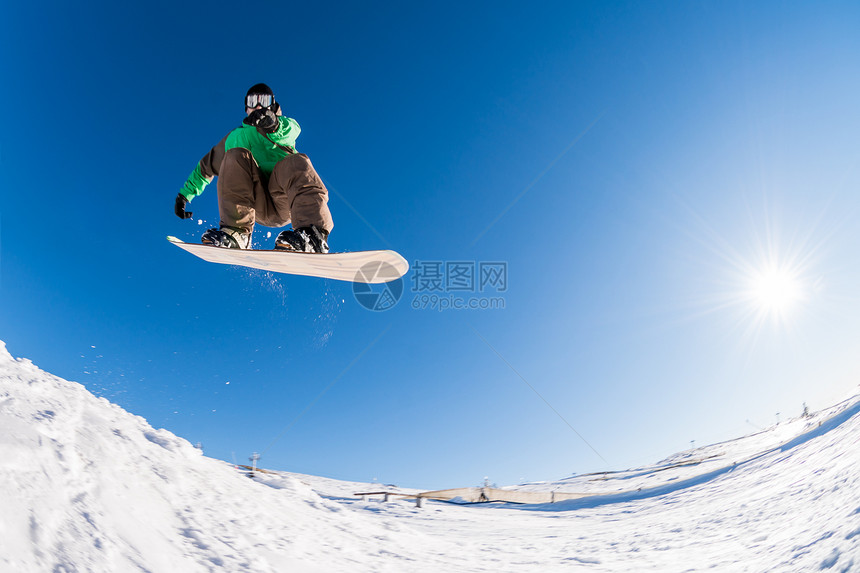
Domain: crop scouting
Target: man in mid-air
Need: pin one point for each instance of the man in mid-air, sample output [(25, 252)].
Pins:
[(262, 179)]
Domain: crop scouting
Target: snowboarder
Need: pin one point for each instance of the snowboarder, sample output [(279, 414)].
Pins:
[(262, 179)]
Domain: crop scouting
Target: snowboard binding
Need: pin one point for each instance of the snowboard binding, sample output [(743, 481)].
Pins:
[(309, 239)]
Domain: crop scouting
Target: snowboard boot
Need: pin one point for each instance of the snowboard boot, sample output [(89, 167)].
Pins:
[(310, 239), (226, 237)]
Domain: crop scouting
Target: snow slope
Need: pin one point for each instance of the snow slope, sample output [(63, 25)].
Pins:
[(86, 486)]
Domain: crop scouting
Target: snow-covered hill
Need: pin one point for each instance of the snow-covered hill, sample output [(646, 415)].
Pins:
[(701, 464), (86, 486)]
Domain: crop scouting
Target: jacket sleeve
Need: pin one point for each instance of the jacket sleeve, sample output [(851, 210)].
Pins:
[(206, 170), (288, 132)]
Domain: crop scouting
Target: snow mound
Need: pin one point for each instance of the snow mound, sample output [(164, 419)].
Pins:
[(86, 486)]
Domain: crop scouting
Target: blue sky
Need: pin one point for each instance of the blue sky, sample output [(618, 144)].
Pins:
[(638, 168)]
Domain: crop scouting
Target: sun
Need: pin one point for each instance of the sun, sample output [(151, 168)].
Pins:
[(765, 279), (767, 287), (776, 290)]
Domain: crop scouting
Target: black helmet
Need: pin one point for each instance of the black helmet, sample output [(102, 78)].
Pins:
[(260, 94)]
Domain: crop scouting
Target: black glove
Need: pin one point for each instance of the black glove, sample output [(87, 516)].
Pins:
[(179, 209), (263, 119)]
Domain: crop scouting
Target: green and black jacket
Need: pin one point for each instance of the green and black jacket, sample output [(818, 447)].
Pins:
[(267, 150)]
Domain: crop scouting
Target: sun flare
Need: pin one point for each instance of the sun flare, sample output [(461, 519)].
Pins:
[(769, 286), (776, 290)]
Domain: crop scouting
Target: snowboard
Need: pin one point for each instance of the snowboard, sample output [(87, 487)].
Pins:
[(371, 267)]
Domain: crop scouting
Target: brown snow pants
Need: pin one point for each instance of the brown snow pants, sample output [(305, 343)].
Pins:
[(293, 193)]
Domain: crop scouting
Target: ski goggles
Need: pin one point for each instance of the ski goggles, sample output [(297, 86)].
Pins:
[(253, 100)]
